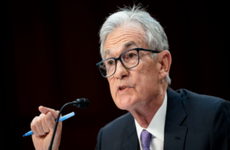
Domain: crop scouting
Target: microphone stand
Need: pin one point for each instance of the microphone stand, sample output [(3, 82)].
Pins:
[(57, 120), (80, 103)]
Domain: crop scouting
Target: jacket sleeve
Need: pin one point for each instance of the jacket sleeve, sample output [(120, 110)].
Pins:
[(98, 146), (220, 134)]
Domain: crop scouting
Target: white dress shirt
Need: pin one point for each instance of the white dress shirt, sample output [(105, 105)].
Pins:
[(156, 128)]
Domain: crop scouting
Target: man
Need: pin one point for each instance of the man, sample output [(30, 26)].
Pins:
[(136, 63)]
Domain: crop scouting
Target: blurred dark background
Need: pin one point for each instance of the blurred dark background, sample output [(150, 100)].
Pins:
[(50, 48)]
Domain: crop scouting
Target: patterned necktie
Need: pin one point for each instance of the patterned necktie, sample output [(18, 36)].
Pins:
[(146, 138)]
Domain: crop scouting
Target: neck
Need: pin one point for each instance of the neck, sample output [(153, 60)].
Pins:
[(144, 113)]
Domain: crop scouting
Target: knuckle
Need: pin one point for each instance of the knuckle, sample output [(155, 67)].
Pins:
[(52, 123), (42, 115), (32, 126), (38, 121), (33, 121), (46, 130), (50, 120), (53, 110)]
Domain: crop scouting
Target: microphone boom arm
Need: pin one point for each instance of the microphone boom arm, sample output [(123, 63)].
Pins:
[(80, 103)]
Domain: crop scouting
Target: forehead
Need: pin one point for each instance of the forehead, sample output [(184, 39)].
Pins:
[(126, 36)]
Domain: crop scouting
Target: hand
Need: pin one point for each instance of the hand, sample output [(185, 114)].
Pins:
[(43, 126)]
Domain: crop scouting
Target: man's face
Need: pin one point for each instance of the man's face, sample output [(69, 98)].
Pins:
[(131, 88)]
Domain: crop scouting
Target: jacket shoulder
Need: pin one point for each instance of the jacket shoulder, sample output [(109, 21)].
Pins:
[(191, 97), (119, 123), (114, 135)]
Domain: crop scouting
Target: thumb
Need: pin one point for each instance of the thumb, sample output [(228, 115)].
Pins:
[(45, 110), (51, 115)]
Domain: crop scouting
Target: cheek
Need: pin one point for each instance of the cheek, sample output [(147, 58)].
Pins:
[(147, 76), (112, 88)]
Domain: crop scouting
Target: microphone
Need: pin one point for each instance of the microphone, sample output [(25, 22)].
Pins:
[(80, 103)]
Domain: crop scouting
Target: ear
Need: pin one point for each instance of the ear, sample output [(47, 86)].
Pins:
[(164, 60)]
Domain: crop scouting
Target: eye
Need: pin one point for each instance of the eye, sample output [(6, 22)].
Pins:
[(110, 62), (131, 55)]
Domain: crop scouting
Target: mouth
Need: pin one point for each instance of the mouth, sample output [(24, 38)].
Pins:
[(121, 88)]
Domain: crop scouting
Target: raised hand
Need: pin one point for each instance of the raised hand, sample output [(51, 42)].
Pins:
[(43, 126)]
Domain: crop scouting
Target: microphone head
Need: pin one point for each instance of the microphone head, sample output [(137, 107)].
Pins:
[(81, 103)]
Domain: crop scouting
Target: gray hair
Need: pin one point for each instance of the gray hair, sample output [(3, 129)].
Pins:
[(154, 36)]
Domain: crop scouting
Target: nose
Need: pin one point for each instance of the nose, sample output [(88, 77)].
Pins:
[(121, 71)]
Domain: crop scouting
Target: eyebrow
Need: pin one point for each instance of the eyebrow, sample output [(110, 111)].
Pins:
[(126, 45)]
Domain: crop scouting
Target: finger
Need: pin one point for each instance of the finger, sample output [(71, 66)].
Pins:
[(38, 124), (45, 110), (33, 126), (44, 125), (50, 121)]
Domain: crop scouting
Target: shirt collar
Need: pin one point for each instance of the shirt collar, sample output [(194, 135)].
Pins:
[(157, 124)]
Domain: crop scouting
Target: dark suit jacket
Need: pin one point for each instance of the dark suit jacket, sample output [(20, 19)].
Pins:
[(193, 122)]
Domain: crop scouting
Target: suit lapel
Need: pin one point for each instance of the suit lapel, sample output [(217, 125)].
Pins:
[(174, 137)]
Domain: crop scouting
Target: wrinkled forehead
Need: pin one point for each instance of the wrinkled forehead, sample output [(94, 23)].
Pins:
[(126, 45), (124, 37)]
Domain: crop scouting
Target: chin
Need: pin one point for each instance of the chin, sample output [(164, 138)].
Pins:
[(124, 104)]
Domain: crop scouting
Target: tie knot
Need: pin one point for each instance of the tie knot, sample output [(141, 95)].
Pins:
[(146, 138)]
